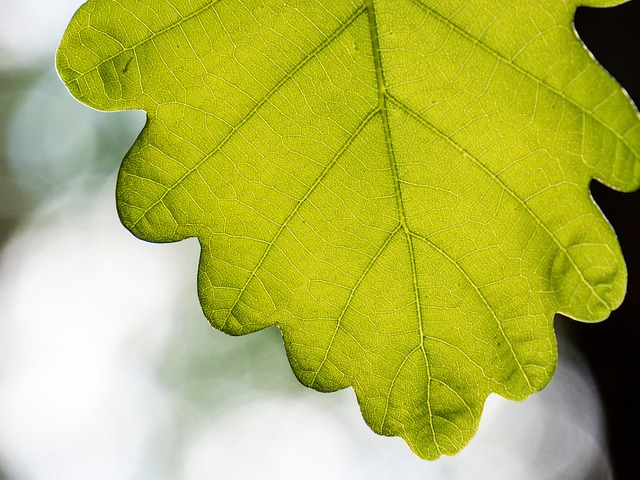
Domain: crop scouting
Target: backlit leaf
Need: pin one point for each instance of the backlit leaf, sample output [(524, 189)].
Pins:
[(402, 186)]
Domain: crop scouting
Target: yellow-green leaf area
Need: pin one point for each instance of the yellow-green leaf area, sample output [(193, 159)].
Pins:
[(401, 186)]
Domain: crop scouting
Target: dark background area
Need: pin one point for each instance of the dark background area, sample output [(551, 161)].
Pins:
[(612, 347)]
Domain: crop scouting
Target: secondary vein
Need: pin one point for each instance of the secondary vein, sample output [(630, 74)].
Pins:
[(245, 119), (298, 205)]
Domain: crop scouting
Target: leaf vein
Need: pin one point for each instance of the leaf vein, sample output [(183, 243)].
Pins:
[(299, 204), (328, 40), (382, 101), (523, 71), (483, 298), (347, 304), (504, 186)]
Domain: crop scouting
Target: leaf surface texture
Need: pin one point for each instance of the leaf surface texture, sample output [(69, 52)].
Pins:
[(402, 186)]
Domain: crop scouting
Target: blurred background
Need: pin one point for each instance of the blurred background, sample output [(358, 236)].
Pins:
[(108, 369)]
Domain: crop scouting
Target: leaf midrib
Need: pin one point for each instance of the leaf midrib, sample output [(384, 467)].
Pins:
[(383, 97), (382, 103)]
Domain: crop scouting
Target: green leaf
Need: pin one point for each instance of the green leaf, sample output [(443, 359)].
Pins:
[(402, 186)]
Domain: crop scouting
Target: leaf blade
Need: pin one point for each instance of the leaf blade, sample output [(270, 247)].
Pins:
[(343, 165)]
